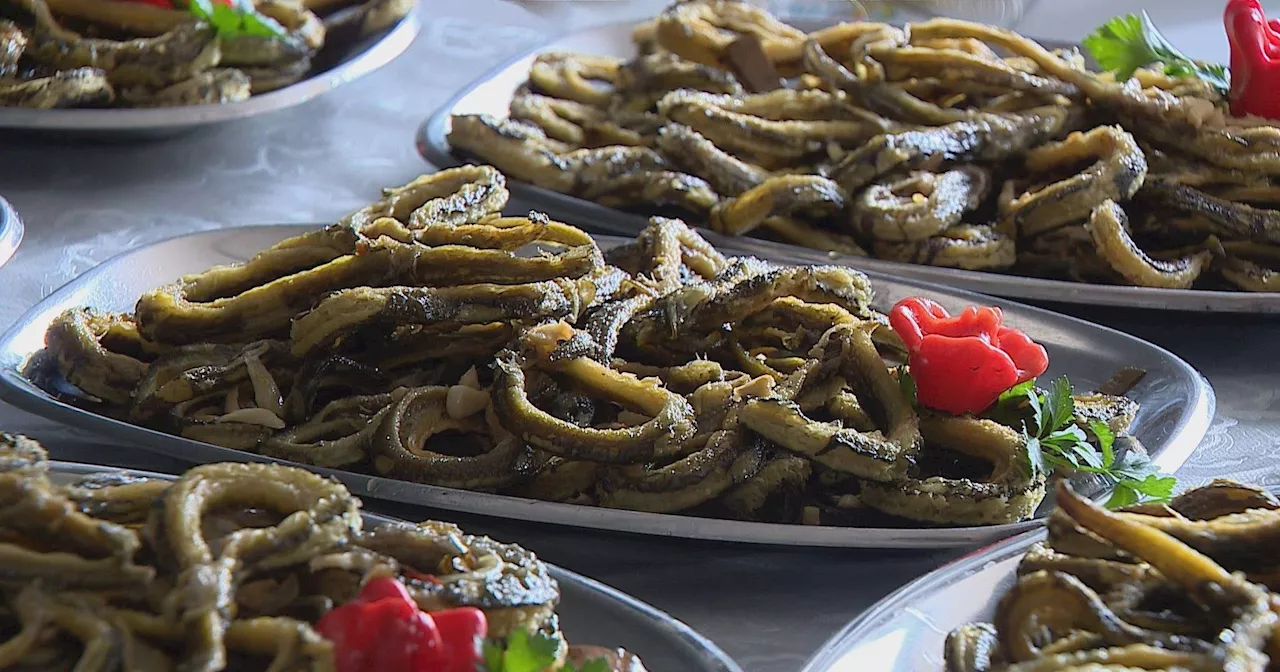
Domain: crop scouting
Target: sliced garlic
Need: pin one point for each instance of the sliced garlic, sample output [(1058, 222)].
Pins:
[(233, 400), (462, 401), (470, 379), (265, 391), (254, 416), (544, 338), (630, 419), (760, 386)]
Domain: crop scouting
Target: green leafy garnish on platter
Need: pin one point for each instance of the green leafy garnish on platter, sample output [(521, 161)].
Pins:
[(1056, 442), (1126, 43), (523, 652), (237, 19)]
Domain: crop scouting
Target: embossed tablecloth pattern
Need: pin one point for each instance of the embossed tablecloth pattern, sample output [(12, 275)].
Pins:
[(85, 202)]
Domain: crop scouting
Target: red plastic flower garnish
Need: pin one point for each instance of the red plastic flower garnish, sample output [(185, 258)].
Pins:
[(961, 364), (383, 629)]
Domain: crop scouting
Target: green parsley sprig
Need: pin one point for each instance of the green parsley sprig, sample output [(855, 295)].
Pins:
[(1126, 43), (522, 652), (1055, 441), (238, 19)]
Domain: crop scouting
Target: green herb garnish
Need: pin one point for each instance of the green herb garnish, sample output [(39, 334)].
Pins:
[(523, 652), (908, 386), (237, 19), (1054, 441), (1126, 43)]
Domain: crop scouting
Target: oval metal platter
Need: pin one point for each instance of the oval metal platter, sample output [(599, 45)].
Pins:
[(492, 93), (11, 231), (1176, 402), (361, 59), (591, 612), (905, 631)]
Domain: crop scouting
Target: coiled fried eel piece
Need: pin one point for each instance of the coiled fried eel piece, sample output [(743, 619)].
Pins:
[(509, 583), (967, 246), (108, 643), (400, 446), (920, 205), (731, 177), (101, 353), (987, 137), (870, 90), (116, 497), (728, 459), (671, 416), (620, 175), (570, 76), (85, 553), (1052, 605), (691, 319), (318, 514), (702, 31), (880, 455), (642, 81), (260, 298), (1250, 276), (363, 19), (1117, 174), (1242, 540), (693, 152), (65, 88), (152, 61), (952, 64), (287, 643), (12, 43), (339, 435), (1173, 121), (772, 495), (199, 370), (665, 253), (771, 141), (564, 120), (1008, 495), (1203, 580), (216, 86), (778, 196), (1108, 227), (1117, 592), (1222, 218), (31, 506), (454, 196), (365, 308), (265, 292)]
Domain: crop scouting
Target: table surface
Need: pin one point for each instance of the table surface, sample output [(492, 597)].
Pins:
[(768, 607)]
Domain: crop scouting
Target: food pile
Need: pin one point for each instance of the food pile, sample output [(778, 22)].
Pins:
[(162, 53), (1186, 585), (943, 142), (257, 567), (429, 339)]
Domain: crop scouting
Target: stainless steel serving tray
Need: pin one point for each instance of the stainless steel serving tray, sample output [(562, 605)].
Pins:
[(1176, 402), (361, 59), (492, 93), (905, 631), (591, 612), (11, 231)]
